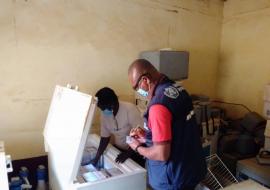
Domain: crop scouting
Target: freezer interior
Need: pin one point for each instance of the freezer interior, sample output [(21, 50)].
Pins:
[(106, 168)]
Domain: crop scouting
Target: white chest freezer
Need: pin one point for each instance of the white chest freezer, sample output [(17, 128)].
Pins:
[(66, 136)]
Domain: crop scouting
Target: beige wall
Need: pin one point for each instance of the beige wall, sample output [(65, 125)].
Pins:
[(92, 43), (244, 60)]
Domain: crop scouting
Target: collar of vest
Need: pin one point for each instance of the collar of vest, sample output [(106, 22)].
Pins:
[(164, 81)]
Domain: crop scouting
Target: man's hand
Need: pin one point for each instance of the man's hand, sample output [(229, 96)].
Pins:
[(94, 162), (123, 156), (134, 143), (138, 133)]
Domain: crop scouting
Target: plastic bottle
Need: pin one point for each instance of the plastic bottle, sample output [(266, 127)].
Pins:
[(24, 173), (15, 183), (41, 178)]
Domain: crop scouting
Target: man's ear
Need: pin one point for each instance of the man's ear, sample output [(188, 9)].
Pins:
[(145, 79)]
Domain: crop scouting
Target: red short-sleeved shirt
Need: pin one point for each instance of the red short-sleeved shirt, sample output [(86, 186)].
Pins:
[(159, 121)]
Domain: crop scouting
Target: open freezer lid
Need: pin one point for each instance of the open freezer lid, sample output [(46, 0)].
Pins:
[(67, 126)]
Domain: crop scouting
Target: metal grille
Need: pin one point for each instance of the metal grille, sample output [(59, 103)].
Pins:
[(218, 175)]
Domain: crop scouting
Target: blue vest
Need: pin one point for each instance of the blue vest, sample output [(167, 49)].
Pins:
[(186, 166)]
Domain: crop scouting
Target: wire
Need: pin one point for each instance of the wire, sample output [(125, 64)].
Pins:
[(222, 102)]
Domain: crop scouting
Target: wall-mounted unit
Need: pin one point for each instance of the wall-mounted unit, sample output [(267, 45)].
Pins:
[(174, 64)]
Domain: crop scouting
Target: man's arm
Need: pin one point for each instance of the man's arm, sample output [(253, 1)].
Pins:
[(159, 151), (104, 141), (160, 120)]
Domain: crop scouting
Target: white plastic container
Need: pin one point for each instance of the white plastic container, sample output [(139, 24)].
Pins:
[(266, 111), (267, 136), (66, 136), (41, 178), (266, 107)]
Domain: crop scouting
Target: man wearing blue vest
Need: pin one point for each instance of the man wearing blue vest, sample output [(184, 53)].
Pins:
[(173, 148)]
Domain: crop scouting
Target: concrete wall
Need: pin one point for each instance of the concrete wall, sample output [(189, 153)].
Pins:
[(244, 67), (92, 43)]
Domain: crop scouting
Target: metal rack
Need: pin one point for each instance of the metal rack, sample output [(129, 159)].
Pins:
[(218, 175)]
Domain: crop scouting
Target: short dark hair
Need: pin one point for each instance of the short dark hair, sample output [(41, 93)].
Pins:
[(106, 97), (143, 64)]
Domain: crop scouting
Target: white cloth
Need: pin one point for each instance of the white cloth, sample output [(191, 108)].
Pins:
[(127, 117)]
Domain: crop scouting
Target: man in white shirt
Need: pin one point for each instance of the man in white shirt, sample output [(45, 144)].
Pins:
[(117, 119)]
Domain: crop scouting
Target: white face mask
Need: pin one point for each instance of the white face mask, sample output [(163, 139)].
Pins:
[(142, 92)]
